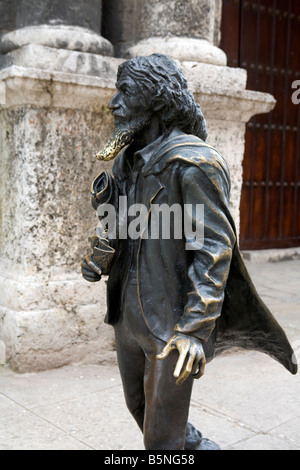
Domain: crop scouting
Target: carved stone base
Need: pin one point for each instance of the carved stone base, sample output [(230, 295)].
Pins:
[(47, 323), (180, 48), (74, 38)]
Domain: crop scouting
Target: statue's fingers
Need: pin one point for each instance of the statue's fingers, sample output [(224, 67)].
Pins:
[(196, 363), (182, 356), (92, 265), (167, 349), (89, 273), (190, 366), (196, 356), (185, 374), (87, 269), (84, 264), (201, 368), (92, 278)]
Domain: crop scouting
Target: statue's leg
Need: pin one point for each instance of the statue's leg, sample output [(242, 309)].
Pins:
[(149, 383), (131, 361), (159, 406), (166, 405)]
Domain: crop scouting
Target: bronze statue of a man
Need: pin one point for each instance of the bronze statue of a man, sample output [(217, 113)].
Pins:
[(174, 301)]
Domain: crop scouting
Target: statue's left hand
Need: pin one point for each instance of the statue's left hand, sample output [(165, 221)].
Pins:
[(90, 271), (191, 350)]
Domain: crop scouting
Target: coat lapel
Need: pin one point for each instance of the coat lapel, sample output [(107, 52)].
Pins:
[(151, 189)]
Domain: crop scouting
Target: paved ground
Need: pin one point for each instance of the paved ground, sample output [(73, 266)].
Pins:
[(245, 401)]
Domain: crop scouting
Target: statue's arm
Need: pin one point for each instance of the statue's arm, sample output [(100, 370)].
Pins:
[(208, 273), (104, 193), (209, 269)]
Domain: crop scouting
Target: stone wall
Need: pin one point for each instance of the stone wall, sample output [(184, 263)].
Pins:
[(48, 314)]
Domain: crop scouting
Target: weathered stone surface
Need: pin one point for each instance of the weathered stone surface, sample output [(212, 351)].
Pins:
[(53, 59), (120, 23), (49, 314), (57, 36), (7, 16), (2, 353), (208, 77), (48, 162), (71, 331), (184, 49), (192, 18), (137, 20), (17, 14), (30, 86), (183, 29)]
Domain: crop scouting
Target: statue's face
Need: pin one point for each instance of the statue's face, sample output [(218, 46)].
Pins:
[(126, 105), (131, 116)]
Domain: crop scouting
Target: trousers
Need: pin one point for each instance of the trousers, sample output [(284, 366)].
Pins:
[(159, 406)]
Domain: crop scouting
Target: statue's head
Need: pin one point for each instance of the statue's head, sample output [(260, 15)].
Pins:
[(149, 86)]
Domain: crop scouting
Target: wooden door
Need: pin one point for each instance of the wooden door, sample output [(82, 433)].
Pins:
[(263, 36)]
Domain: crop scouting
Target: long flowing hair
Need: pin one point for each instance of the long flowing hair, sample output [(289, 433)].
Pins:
[(159, 77)]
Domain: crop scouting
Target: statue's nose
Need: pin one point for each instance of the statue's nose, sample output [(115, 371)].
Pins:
[(114, 102)]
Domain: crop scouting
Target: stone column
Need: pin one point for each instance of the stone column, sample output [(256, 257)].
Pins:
[(56, 79), (183, 29), (53, 35), (71, 24)]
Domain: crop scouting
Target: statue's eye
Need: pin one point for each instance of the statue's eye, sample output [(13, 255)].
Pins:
[(127, 92)]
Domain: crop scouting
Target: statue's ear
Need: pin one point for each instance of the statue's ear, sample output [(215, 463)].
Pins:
[(158, 107)]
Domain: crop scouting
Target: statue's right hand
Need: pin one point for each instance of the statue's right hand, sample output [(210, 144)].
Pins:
[(90, 271)]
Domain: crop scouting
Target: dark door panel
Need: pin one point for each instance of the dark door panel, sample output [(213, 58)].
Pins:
[(263, 37)]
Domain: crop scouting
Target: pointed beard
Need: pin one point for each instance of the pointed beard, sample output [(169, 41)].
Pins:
[(121, 136), (119, 139)]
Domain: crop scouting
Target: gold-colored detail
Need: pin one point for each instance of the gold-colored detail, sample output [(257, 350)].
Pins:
[(191, 361), (116, 143)]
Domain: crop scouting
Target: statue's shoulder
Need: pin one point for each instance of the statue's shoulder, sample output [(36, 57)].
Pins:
[(188, 151), (191, 148)]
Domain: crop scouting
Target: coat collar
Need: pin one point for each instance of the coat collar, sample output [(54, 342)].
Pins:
[(159, 159), (122, 167)]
